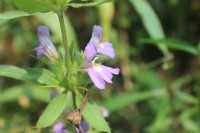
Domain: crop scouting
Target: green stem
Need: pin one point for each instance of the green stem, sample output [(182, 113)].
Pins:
[(171, 100), (171, 96), (64, 36)]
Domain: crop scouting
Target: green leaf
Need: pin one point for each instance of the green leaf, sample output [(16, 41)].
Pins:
[(93, 116), (191, 126), (96, 3), (5, 16), (14, 72), (33, 6), (178, 83), (175, 44), (43, 76), (151, 21), (161, 121), (30, 90), (186, 120), (53, 111), (143, 77), (117, 102), (13, 14), (40, 75), (186, 98), (188, 114)]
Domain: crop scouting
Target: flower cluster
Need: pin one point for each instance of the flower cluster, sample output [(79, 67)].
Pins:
[(97, 72)]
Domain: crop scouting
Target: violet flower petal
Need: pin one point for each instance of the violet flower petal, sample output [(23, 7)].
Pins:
[(44, 36), (98, 73), (106, 48), (53, 95), (90, 52), (104, 111), (96, 78), (40, 51), (43, 31), (111, 70), (46, 44), (58, 128), (84, 126), (96, 35), (106, 75)]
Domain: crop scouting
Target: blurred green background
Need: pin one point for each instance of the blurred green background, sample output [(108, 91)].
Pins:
[(157, 49)]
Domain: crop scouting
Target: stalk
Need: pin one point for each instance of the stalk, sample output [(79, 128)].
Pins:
[(65, 42)]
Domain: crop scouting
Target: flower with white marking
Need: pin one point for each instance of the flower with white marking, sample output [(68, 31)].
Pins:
[(46, 47)]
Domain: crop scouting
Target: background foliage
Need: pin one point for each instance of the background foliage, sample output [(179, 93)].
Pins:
[(157, 50)]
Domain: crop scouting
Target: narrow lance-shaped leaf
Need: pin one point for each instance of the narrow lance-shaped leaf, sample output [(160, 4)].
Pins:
[(40, 75), (117, 102), (13, 14), (175, 44), (187, 121), (53, 111), (43, 76), (93, 116), (5, 16), (31, 90), (151, 22), (96, 3)]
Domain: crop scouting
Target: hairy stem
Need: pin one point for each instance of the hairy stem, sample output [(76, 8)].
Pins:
[(64, 36)]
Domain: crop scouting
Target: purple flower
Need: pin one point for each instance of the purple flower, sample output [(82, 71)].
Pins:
[(58, 128), (96, 46), (46, 47), (100, 73), (104, 111), (97, 72), (84, 126), (53, 94)]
